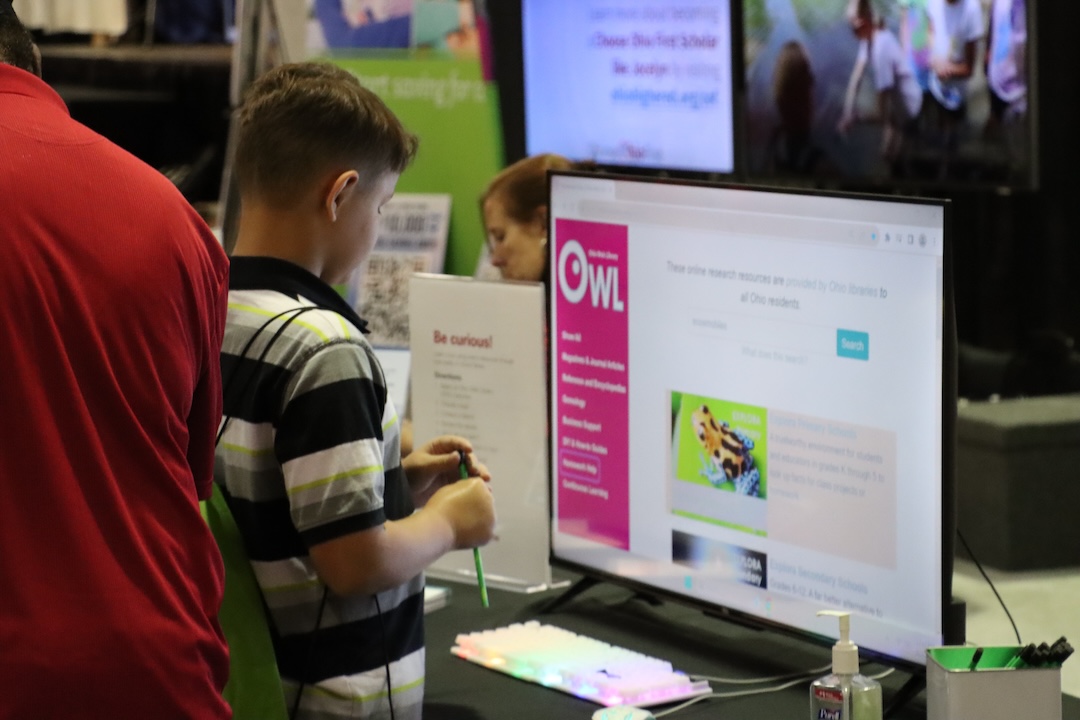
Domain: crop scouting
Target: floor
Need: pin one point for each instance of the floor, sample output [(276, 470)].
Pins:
[(1044, 604)]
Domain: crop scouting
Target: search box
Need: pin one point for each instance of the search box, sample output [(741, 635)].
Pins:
[(764, 333)]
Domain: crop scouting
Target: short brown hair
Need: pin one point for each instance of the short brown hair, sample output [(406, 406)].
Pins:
[(523, 185), (302, 120)]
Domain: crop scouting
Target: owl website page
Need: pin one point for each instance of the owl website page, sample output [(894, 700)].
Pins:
[(746, 400)]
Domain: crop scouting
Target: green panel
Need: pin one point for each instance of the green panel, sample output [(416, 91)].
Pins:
[(254, 689), (455, 114), (960, 657)]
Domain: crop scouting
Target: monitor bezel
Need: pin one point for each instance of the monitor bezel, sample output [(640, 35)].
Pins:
[(952, 623)]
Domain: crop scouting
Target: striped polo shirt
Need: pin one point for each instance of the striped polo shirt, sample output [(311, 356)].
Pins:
[(312, 452)]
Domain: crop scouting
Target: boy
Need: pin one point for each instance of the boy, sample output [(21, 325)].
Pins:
[(956, 26), (310, 451), (899, 97)]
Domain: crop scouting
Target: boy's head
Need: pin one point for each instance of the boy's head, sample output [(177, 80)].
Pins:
[(302, 122), (312, 140)]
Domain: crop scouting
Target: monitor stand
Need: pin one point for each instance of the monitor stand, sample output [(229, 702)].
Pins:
[(582, 585)]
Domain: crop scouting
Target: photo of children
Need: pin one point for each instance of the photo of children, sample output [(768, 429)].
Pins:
[(445, 26), (926, 91), (719, 444), (368, 24)]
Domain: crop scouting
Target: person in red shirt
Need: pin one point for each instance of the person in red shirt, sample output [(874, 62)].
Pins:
[(112, 308)]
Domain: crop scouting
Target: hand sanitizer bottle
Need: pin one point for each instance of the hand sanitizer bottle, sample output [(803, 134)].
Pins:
[(844, 694)]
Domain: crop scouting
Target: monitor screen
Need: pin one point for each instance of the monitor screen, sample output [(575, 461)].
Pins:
[(747, 401), (916, 92), (627, 83)]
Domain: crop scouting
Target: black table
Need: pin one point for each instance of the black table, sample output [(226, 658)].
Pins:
[(693, 642)]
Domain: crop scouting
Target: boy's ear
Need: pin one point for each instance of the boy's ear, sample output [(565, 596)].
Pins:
[(342, 187)]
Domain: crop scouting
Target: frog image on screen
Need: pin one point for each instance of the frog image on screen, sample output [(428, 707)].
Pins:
[(726, 455)]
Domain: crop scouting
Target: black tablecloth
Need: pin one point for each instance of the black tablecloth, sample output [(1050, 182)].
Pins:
[(692, 641)]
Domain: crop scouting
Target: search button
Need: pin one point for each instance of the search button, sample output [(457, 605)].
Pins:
[(853, 344)]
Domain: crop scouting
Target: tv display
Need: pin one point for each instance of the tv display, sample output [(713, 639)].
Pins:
[(752, 402), (909, 92), (623, 83)]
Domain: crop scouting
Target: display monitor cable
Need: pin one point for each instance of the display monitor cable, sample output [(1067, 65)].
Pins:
[(990, 583)]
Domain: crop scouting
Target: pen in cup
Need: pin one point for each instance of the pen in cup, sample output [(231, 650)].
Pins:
[(463, 473)]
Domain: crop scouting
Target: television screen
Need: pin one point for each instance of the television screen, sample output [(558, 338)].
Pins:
[(915, 92), (748, 404), (624, 83)]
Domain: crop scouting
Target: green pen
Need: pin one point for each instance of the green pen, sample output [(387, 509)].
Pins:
[(463, 473)]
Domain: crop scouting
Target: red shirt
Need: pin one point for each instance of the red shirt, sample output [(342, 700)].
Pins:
[(112, 308)]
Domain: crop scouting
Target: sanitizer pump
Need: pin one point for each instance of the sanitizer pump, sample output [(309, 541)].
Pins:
[(844, 694)]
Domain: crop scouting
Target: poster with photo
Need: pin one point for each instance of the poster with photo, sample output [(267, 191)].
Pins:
[(445, 26), (413, 230)]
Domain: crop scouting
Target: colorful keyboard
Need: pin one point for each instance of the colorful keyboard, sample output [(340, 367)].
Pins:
[(578, 665)]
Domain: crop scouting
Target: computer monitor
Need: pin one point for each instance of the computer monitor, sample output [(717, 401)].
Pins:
[(922, 93), (622, 83), (752, 402)]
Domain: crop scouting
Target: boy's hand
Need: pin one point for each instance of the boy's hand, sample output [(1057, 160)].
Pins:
[(435, 465), (469, 509)]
